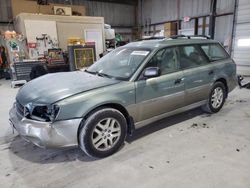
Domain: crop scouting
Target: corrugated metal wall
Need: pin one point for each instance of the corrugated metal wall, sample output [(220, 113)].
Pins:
[(223, 29), (241, 50), (5, 15), (224, 6), (167, 10), (224, 24), (5, 10), (194, 8), (113, 13), (160, 11), (116, 15)]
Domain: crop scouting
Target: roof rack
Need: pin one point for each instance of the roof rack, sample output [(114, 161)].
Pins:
[(189, 36), (154, 38)]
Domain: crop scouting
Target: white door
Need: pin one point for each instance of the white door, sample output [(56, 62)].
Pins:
[(95, 35), (241, 48)]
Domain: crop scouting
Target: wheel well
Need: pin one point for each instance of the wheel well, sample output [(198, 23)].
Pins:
[(224, 82), (118, 107)]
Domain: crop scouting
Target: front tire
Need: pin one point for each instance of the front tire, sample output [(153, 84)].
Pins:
[(103, 133), (216, 99)]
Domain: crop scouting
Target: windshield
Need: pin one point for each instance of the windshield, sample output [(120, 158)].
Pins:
[(120, 63)]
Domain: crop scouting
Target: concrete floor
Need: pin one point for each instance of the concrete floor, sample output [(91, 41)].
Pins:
[(190, 150)]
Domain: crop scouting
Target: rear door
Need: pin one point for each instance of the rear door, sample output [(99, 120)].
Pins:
[(198, 73), (156, 96), (223, 65)]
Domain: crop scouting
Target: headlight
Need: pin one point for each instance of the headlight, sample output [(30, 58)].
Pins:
[(45, 113), (52, 112)]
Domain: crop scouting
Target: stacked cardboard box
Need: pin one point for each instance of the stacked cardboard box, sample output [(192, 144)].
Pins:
[(170, 29)]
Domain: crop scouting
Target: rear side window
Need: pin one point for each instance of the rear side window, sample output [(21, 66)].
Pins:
[(191, 56), (214, 52)]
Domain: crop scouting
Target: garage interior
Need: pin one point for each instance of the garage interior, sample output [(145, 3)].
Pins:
[(191, 149)]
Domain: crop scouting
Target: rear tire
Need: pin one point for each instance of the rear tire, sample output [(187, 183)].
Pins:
[(217, 97), (103, 133)]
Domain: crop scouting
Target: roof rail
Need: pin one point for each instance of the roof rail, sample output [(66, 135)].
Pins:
[(177, 36), (199, 36), (189, 36), (153, 38)]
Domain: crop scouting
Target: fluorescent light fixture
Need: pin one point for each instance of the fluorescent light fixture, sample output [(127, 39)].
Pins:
[(244, 42)]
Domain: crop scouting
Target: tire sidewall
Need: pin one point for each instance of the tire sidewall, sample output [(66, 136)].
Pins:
[(216, 85), (85, 136)]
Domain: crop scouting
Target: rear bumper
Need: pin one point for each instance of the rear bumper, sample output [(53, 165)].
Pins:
[(45, 134)]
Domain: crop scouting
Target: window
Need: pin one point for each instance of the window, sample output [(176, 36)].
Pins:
[(191, 56), (214, 52), (166, 60)]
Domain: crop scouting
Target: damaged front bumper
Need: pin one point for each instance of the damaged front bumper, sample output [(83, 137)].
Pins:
[(46, 134)]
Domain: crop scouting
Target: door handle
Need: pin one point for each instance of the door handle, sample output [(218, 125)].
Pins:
[(178, 81), (211, 72)]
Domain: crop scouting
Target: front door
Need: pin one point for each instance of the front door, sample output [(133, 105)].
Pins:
[(156, 96)]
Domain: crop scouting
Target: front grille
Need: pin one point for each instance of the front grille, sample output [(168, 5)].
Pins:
[(19, 108)]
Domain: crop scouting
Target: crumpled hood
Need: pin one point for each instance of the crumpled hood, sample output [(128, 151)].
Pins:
[(54, 87)]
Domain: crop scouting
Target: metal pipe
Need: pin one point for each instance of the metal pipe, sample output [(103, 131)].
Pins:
[(212, 18), (6, 22), (224, 14), (122, 26), (236, 3), (178, 16)]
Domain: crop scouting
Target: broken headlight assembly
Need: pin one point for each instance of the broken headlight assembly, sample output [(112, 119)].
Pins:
[(45, 113)]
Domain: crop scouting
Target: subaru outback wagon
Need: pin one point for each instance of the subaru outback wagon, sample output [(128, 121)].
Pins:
[(133, 85)]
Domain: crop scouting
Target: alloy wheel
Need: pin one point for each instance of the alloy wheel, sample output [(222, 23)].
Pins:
[(217, 97), (106, 133)]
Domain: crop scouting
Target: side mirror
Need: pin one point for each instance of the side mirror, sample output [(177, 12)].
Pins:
[(152, 72)]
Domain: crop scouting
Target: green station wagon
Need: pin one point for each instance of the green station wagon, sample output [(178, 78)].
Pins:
[(132, 86)]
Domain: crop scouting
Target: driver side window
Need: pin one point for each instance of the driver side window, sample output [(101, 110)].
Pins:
[(165, 60)]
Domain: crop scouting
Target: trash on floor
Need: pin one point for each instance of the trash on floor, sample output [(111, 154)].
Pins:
[(240, 79)]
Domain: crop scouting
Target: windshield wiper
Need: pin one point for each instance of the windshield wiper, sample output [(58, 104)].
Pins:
[(104, 75), (99, 73), (91, 72)]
